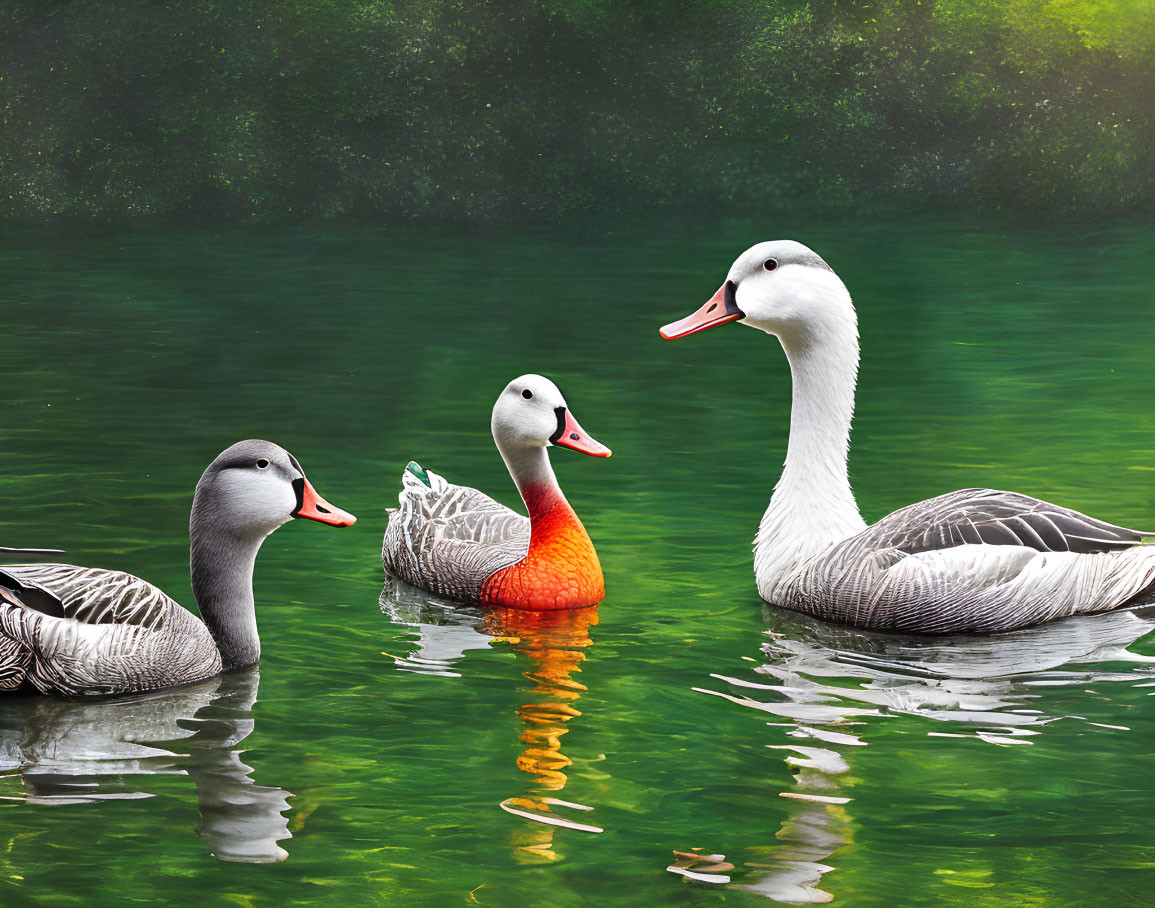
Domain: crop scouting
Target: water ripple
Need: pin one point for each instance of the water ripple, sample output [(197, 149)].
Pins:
[(555, 645), (835, 686), (87, 751)]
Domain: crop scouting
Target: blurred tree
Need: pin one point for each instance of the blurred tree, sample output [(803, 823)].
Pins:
[(538, 108)]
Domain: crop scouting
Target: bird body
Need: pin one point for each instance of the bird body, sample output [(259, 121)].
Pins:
[(114, 633), (459, 543)]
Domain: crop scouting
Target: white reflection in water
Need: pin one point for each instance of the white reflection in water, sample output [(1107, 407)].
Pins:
[(444, 630), (84, 751), (831, 685)]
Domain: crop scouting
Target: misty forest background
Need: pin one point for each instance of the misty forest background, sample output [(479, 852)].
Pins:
[(114, 110)]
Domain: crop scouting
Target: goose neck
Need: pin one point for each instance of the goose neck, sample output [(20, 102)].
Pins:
[(813, 505), (823, 378), (221, 566)]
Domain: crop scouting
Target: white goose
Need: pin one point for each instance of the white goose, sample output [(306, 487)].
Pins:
[(972, 560), (74, 630)]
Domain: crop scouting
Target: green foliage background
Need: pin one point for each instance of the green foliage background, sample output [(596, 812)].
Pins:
[(111, 109)]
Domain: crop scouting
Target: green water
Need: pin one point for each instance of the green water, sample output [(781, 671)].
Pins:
[(375, 749)]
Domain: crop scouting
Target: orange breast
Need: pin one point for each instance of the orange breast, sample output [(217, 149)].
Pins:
[(560, 571)]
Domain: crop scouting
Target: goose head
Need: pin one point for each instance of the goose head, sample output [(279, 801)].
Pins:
[(780, 287), (254, 487), (532, 413)]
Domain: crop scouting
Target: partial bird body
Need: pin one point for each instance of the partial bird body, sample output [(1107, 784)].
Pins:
[(451, 539), (971, 560), (114, 633), (560, 565), (969, 587)]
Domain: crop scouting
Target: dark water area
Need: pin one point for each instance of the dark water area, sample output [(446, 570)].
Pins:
[(396, 749)]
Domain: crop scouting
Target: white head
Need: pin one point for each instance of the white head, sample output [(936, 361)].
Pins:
[(254, 487), (532, 413), (780, 287)]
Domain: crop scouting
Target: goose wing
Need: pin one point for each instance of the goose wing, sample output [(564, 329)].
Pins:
[(87, 595), (14, 658), (992, 517), (449, 539), (74, 630)]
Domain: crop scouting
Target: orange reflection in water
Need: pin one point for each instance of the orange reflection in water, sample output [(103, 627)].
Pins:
[(554, 642)]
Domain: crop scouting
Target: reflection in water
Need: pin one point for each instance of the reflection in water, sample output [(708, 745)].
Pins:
[(444, 629), (55, 751), (554, 643), (829, 686)]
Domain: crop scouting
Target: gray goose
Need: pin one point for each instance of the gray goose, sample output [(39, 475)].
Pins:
[(971, 560), (87, 631)]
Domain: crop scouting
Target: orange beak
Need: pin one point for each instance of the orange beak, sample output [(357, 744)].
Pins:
[(719, 309), (571, 435), (313, 506)]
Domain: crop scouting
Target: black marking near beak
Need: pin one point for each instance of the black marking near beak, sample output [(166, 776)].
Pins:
[(559, 412), (299, 488), (730, 299)]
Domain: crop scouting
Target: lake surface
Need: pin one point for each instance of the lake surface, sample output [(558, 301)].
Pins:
[(393, 749)]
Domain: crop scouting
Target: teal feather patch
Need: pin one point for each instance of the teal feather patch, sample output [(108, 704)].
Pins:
[(415, 468)]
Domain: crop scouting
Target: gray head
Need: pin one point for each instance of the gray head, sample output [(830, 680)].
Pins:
[(532, 413), (254, 487), (246, 493), (780, 287)]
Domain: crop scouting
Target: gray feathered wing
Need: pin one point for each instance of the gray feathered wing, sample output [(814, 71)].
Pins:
[(989, 516), (73, 630), (450, 539), (976, 560)]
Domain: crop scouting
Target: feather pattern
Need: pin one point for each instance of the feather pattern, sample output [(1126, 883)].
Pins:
[(450, 539), (992, 517), (906, 573), (116, 633)]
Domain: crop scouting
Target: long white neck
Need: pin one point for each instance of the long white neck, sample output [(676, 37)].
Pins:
[(812, 506)]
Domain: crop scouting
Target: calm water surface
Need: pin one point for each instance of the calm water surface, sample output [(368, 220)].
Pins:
[(680, 744)]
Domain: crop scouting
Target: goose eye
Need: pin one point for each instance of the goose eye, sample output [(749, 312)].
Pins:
[(527, 394), (770, 264), (262, 464)]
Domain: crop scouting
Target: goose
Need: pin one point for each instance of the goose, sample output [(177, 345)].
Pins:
[(87, 631), (459, 543), (974, 560)]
